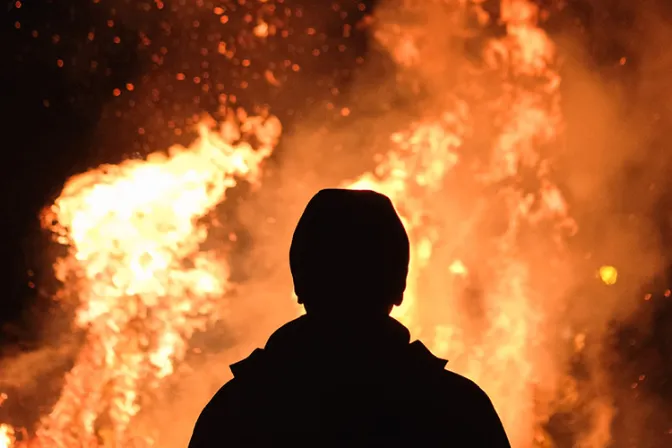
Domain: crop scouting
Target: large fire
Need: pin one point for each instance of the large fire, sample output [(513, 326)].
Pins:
[(136, 266), (134, 233), (507, 357)]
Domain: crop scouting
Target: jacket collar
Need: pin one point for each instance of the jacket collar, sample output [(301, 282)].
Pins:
[(309, 340)]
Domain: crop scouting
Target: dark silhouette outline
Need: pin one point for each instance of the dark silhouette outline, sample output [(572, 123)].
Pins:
[(345, 374)]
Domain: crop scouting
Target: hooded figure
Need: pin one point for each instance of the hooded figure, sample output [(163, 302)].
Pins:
[(346, 373)]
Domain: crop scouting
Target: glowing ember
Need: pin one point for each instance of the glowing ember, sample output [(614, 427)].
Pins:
[(458, 268), (135, 264), (608, 274)]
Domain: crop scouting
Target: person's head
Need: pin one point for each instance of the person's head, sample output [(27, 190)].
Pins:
[(349, 254)]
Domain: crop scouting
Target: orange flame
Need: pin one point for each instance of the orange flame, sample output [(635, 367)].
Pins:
[(501, 348), (430, 148), (135, 263), (6, 436)]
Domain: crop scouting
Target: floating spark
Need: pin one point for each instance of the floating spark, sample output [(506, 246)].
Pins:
[(608, 275)]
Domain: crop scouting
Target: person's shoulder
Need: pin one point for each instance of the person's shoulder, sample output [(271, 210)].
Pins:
[(217, 410), (224, 398), (455, 380), (448, 381), (458, 385), (228, 418), (478, 415)]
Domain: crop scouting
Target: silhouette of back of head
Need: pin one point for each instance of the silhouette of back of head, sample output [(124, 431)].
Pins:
[(350, 251), (346, 371)]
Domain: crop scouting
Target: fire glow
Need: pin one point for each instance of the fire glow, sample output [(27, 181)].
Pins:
[(145, 285), (134, 263)]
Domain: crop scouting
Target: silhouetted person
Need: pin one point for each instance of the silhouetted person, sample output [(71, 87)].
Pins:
[(345, 374)]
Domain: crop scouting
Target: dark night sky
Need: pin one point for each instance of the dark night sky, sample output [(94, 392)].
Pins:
[(61, 61)]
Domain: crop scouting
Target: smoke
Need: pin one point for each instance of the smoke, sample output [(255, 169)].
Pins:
[(613, 170)]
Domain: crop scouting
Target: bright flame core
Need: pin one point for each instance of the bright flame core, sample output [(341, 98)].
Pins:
[(136, 264), (6, 436)]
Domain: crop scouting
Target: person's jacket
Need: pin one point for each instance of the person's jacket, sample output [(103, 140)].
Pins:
[(322, 384)]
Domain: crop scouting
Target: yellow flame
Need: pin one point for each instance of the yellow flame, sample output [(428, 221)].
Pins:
[(608, 274), (6, 436), (136, 265), (500, 343)]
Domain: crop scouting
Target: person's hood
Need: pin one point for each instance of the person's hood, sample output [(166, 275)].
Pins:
[(313, 346)]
